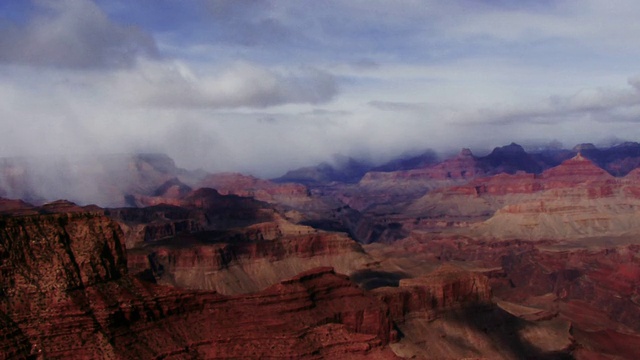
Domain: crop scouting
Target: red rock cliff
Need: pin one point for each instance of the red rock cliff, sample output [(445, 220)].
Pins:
[(446, 288), (66, 294)]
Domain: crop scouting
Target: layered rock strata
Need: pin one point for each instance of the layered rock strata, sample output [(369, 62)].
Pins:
[(246, 259), (592, 286), (574, 200), (67, 294), (445, 289)]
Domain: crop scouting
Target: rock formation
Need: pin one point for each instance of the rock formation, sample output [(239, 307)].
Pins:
[(554, 290), (576, 199), (245, 260), (445, 289), (503, 256), (291, 194), (66, 293), (228, 243)]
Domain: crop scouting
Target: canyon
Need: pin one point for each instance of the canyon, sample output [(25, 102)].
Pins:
[(510, 255)]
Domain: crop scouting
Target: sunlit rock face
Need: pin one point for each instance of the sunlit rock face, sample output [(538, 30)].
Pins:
[(228, 243), (575, 199)]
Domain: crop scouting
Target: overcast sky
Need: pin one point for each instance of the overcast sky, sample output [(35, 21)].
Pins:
[(264, 86)]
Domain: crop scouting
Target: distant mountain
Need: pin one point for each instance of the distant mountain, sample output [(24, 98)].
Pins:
[(350, 170), (510, 159), (425, 159), (347, 170), (618, 160), (114, 180)]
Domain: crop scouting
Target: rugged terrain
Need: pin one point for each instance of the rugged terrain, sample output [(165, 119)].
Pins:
[(68, 293), (510, 255)]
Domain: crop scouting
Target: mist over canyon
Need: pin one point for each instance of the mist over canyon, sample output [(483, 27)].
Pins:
[(232, 179), (509, 255)]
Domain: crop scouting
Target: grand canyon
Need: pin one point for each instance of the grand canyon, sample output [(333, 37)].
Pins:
[(242, 179), (512, 255)]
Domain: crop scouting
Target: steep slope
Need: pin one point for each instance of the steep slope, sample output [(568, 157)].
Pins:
[(228, 243), (67, 294), (553, 299), (575, 199), (243, 260)]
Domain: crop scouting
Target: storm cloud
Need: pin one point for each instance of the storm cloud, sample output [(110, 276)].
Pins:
[(263, 87), (73, 34)]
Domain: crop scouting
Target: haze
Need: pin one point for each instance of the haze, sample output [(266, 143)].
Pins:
[(265, 86)]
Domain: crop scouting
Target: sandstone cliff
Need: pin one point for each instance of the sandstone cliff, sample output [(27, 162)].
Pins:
[(289, 194), (428, 296), (575, 199), (67, 294), (248, 259)]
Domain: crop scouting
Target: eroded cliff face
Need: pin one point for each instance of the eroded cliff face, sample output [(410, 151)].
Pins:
[(246, 259), (228, 243), (574, 200), (561, 297), (449, 313), (429, 296), (201, 210), (290, 194), (67, 294), (48, 262), (507, 266)]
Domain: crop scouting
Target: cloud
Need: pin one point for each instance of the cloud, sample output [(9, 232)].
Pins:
[(250, 23), (73, 34), (265, 86), (598, 104), (396, 106), (241, 84)]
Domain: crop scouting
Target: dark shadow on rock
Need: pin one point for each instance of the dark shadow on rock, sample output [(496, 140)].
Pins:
[(504, 330), (372, 279), (326, 225)]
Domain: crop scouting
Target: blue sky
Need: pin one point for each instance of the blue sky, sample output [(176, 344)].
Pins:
[(265, 86)]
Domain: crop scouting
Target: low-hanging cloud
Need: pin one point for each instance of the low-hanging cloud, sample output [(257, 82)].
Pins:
[(73, 34), (161, 84), (598, 104), (266, 86)]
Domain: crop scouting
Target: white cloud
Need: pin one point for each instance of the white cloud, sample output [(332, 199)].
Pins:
[(597, 104), (73, 34), (266, 86), (241, 84)]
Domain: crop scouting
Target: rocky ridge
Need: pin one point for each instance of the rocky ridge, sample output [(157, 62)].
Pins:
[(576, 199), (67, 293), (228, 243), (554, 237)]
